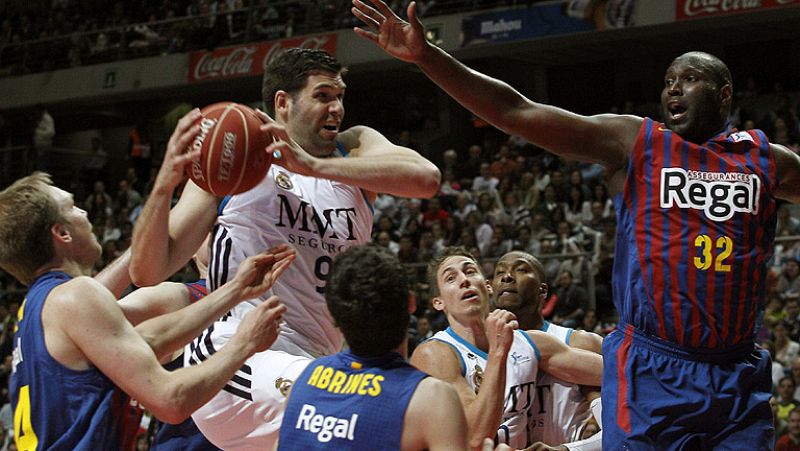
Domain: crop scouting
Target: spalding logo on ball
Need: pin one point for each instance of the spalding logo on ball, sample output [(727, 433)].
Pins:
[(232, 157)]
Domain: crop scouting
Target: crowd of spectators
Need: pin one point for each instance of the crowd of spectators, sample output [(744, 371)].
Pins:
[(43, 35)]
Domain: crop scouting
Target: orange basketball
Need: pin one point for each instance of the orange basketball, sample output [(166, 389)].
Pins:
[(232, 157)]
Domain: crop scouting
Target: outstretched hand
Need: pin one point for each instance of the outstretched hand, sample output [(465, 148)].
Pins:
[(403, 40), (179, 154), (258, 273)]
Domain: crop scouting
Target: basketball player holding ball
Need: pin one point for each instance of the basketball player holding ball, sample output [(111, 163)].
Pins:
[(232, 158), (317, 196)]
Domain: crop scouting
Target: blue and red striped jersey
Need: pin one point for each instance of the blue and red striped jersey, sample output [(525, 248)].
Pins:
[(197, 290), (696, 224)]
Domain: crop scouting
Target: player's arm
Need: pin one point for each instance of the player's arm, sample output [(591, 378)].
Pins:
[(591, 342), (484, 411), (116, 276), (604, 139), (434, 419), (588, 341), (564, 362), (168, 333), (164, 240), (383, 167), (149, 302), (787, 165), (375, 164), (88, 325)]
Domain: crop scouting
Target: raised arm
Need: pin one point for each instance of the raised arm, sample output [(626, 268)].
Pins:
[(787, 164), (116, 276), (164, 240), (375, 164), (605, 139), (87, 328), (564, 362)]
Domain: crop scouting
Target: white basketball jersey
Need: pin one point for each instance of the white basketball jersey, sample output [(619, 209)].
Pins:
[(521, 370), (564, 409), (317, 217)]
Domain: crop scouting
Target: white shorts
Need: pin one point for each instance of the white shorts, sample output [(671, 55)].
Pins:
[(247, 413)]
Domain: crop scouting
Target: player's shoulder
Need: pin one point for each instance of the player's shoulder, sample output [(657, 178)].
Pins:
[(540, 335), (433, 347), (354, 138), (78, 286), (434, 394), (77, 296), (435, 354), (432, 389), (355, 131), (783, 153)]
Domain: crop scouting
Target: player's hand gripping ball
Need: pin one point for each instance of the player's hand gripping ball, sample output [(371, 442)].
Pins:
[(232, 157)]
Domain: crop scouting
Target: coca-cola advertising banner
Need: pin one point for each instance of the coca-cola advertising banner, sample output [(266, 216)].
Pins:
[(250, 59), (691, 9)]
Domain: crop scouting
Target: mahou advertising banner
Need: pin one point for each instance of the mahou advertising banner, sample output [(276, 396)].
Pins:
[(691, 9), (249, 59)]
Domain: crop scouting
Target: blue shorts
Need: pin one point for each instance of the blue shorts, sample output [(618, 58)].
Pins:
[(658, 396)]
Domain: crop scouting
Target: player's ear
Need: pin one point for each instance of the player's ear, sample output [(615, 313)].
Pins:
[(726, 95), (489, 287), (61, 233), (437, 303), (282, 99), (543, 289)]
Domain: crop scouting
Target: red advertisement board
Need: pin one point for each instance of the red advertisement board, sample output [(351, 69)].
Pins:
[(249, 59), (692, 9)]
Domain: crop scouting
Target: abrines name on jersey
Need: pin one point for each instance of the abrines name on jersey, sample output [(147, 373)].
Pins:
[(718, 194), (290, 218), (339, 382)]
